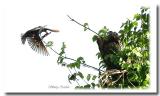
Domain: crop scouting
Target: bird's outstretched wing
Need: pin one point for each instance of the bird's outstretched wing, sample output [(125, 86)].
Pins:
[(37, 45)]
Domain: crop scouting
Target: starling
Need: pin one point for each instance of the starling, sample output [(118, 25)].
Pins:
[(109, 47), (109, 44), (34, 39)]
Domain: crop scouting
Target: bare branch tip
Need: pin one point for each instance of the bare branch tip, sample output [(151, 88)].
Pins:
[(70, 18)]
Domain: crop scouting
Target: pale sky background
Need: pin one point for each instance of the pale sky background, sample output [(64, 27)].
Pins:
[(28, 71)]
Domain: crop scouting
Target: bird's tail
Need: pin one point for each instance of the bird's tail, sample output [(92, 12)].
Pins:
[(23, 38)]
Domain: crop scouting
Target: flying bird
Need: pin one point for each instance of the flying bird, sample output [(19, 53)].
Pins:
[(34, 39)]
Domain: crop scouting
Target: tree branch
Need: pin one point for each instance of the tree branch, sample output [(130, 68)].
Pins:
[(82, 25), (84, 64)]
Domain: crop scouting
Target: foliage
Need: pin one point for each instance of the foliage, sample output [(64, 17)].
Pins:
[(75, 66), (135, 53), (49, 44), (132, 57), (61, 54)]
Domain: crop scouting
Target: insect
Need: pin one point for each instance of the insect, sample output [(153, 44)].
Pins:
[(35, 40)]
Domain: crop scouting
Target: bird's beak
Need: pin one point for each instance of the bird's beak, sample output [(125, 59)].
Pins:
[(53, 30)]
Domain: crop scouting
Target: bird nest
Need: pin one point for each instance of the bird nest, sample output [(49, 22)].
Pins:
[(111, 76)]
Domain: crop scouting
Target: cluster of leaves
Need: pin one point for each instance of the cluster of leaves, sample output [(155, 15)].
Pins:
[(102, 33), (89, 79), (77, 63), (62, 55), (134, 35)]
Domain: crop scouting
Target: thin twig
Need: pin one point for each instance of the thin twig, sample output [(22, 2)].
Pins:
[(81, 63), (85, 65), (82, 25), (122, 74)]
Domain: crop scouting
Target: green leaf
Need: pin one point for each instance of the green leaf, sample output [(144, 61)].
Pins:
[(87, 86), (135, 23), (79, 87), (49, 44), (71, 65), (93, 85), (101, 62), (73, 77), (63, 46), (94, 77), (61, 60), (62, 49), (134, 77), (88, 77), (94, 38), (99, 55), (85, 26), (78, 65), (137, 16), (80, 60), (122, 25), (103, 31), (80, 75), (125, 66)]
